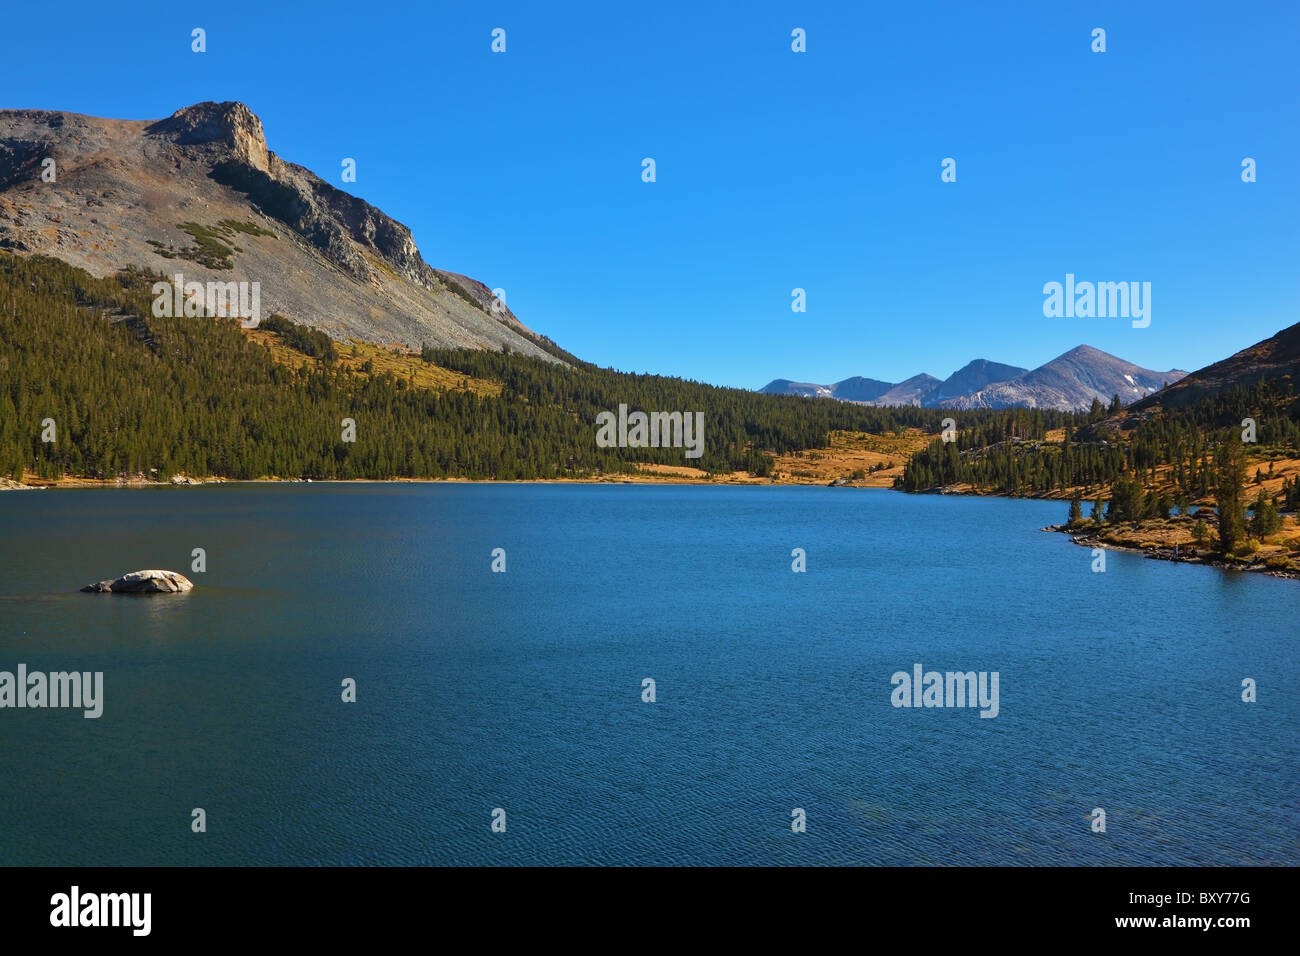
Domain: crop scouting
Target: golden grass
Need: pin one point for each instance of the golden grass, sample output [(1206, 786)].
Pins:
[(1166, 533), (405, 364), (850, 452)]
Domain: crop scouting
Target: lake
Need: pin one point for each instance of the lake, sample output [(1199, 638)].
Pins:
[(523, 690)]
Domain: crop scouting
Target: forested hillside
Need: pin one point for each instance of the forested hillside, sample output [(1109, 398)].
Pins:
[(130, 393), (1175, 448)]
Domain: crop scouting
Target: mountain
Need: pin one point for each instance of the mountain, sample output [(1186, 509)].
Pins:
[(928, 391), (200, 194), (783, 386), (1070, 382), (912, 391), (972, 377), (859, 389), (855, 389), (1275, 358)]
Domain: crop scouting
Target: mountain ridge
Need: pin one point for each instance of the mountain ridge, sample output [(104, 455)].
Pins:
[(1276, 357), (1068, 382), (132, 193)]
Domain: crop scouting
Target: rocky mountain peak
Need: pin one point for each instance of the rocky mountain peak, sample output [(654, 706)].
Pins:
[(199, 193), (231, 124)]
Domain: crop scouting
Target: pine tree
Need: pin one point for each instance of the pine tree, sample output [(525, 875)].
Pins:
[(1264, 520), (1229, 485)]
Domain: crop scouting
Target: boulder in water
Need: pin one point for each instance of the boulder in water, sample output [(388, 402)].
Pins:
[(143, 582)]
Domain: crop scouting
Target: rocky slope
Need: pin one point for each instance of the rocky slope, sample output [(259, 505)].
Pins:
[(123, 189), (912, 391), (972, 377)]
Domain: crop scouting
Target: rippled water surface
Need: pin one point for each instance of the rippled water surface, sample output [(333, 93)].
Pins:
[(523, 690)]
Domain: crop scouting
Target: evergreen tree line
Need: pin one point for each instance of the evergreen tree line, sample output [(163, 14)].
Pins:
[(1183, 439), (1015, 468), (1131, 502), (129, 393)]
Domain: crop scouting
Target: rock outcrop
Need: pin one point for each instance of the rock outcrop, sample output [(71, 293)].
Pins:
[(143, 582)]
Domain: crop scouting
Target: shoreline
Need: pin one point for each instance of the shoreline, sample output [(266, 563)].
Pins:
[(1086, 538), (646, 478), (1204, 559)]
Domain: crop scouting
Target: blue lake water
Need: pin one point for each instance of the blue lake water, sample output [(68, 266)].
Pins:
[(523, 690)]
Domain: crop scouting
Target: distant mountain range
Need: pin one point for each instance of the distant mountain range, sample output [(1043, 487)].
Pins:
[(1068, 382)]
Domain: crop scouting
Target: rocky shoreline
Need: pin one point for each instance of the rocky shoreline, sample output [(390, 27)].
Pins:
[(137, 481), (1184, 555)]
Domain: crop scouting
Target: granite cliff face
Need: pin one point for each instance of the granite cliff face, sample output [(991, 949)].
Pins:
[(130, 193)]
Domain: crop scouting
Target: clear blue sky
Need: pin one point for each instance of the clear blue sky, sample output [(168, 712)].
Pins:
[(775, 169)]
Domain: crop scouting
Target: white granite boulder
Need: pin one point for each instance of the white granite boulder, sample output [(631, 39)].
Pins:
[(144, 582)]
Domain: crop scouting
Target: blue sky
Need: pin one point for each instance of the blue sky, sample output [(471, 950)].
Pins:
[(775, 170)]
